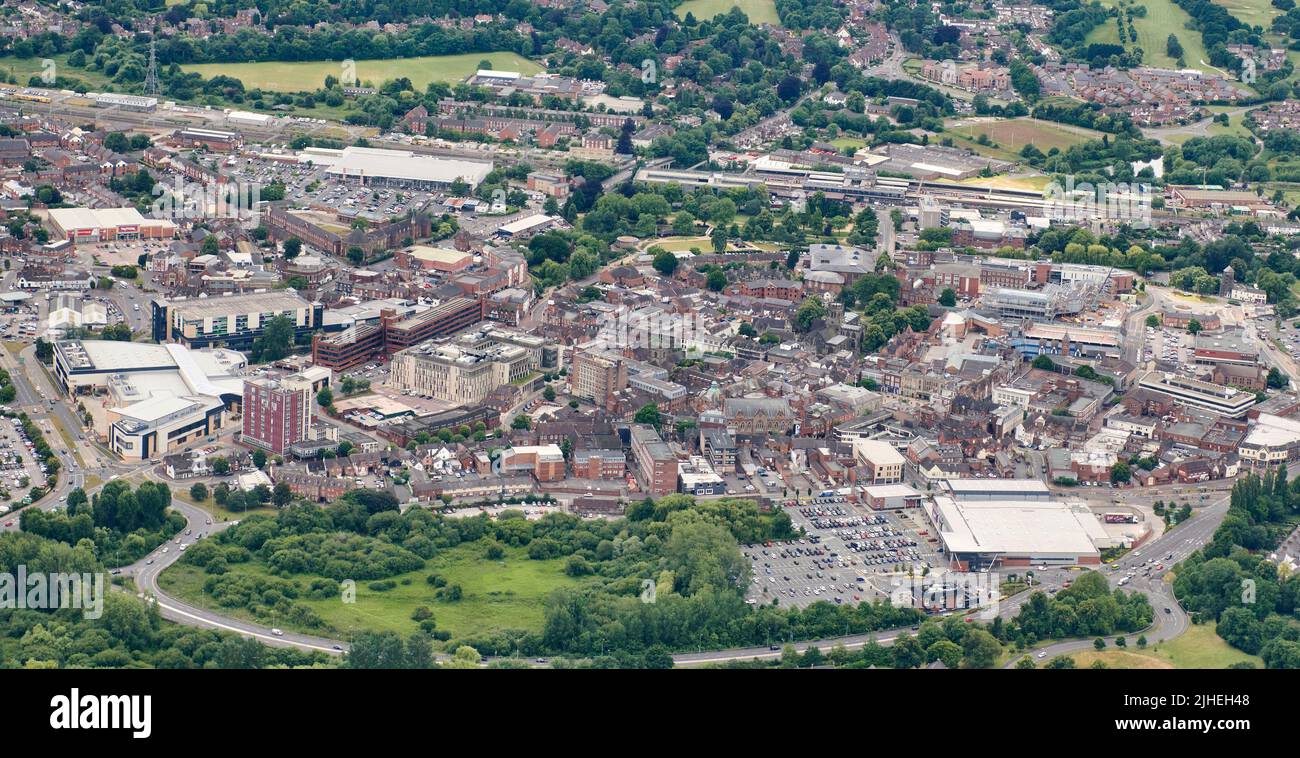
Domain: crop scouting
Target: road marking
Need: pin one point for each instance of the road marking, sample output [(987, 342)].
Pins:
[(243, 632), (772, 654)]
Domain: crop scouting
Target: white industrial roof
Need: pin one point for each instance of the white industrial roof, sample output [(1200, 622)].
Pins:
[(890, 490), (126, 356), (1018, 527), (526, 223), (937, 169), (197, 376), (155, 408), (1269, 429), (402, 164), (102, 218)]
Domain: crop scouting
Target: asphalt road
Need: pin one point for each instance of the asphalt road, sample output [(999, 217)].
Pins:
[(38, 410), (1181, 542), (145, 574)]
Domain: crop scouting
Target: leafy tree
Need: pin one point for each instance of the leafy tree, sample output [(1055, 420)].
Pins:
[(810, 310), (665, 262), (907, 652), (199, 492), (649, 414), (948, 298), (276, 341), (980, 649)]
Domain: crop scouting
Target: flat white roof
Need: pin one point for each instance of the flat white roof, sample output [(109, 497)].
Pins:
[(525, 223), (1272, 430), (937, 169), (108, 355), (260, 118), (438, 254), (890, 490), (1018, 527), (102, 218), (402, 164), (155, 408), (878, 452)]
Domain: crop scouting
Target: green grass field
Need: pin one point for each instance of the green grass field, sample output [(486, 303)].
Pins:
[(684, 244), (1013, 134), (1131, 658), (1163, 18), (218, 513), (850, 143), (1252, 12), (1200, 648), (759, 11), (305, 76), (25, 68), (1234, 128), (505, 594)]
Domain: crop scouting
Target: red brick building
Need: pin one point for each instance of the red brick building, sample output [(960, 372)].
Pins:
[(276, 413)]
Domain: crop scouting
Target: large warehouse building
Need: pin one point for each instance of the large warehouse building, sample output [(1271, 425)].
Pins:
[(980, 533), (400, 168), (159, 397), (102, 224)]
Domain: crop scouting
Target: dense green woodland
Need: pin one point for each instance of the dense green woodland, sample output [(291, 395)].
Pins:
[(129, 634), (123, 526), (689, 549), (1231, 583)]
